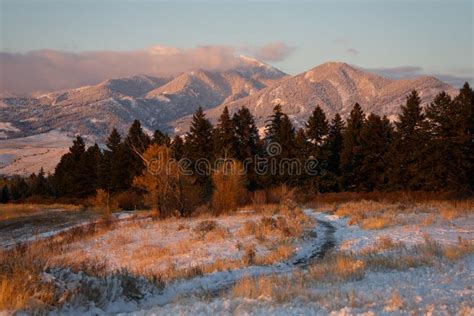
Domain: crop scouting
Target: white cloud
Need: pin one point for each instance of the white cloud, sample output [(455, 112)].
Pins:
[(47, 70), (277, 51), (352, 51)]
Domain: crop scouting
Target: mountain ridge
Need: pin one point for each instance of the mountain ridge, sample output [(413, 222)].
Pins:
[(334, 86), (94, 110), (168, 104)]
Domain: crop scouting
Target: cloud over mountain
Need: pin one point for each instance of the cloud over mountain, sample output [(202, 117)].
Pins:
[(50, 70), (457, 78), (277, 51)]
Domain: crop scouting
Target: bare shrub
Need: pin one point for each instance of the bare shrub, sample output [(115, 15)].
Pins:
[(166, 188), (229, 186), (128, 200), (101, 200)]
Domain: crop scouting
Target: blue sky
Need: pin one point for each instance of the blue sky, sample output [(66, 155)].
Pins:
[(436, 36)]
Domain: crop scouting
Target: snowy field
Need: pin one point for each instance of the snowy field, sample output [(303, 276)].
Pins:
[(26, 155), (445, 288), (148, 246), (317, 262)]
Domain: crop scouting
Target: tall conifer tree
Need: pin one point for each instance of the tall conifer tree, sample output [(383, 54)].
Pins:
[(333, 145), (376, 138), (225, 143), (408, 153), (199, 147), (249, 145), (350, 155)]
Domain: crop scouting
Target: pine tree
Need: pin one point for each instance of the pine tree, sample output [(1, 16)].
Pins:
[(273, 124), (451, 128), (39, 184), (19, 188), (177, 148), (376, 138), (441, 129), (113, 166), (198, 141), (280, 135), (333, 146), (464, 109), (199, 147), (105, 164), (303, 153), (161, 138), (317, 126), (280, 130), (225, 142), (249, 145), (88, 180), (67, 173), (4, 195), (316, 132), (409, 150), (350, 155), (135, 144), (113, 141)]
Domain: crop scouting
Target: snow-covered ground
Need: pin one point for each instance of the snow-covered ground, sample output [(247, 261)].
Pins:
[(446, 289), (142, 246), (414, 231), (148, 246), (29, 154)]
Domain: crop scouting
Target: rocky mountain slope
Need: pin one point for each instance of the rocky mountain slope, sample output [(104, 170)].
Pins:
[(336, 87), (93, 111)]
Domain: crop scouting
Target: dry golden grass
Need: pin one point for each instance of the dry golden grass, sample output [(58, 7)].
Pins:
[(379, 214), (383, 243), (273, 287), (218, 234), (254, 288), (453, 209), (343, 267), (375, 223), (21, 284), (338, 268), (361, 210), (9, 211), (281, 253), (20, 281), (248, 228), (424, 254)]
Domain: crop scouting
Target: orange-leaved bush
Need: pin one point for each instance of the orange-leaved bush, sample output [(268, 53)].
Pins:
[(229, 186)]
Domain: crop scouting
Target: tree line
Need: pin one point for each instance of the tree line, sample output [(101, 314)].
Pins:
[(429, 149)]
